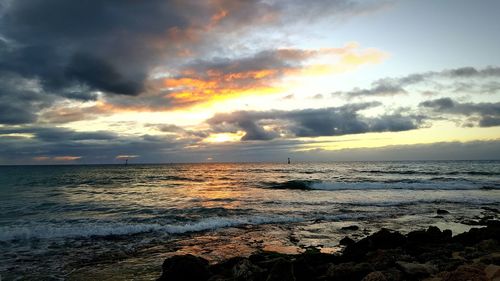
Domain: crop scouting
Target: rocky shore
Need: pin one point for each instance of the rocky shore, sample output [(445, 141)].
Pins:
[(386, 255)]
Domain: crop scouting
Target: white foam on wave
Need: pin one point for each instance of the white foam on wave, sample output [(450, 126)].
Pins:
[(9, 233), (392, 185)]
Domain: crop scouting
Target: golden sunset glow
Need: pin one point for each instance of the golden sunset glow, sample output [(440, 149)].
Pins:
[(224, 137), (248, 78)]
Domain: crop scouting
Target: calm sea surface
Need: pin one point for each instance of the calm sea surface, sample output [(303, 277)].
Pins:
[(71, 222)]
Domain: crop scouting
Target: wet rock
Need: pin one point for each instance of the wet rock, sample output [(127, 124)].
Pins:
[(471, 222), (349, 271), (491, 209), (465, 273), (303, 271), (493, 223), (184, 267), (382, 259), (383, 239), (246, 270), (351, 227), (346, 241), (431, 235), (375, 276), (476, 235), (281, 271), (442, 212), (492, 272), (416, 270)]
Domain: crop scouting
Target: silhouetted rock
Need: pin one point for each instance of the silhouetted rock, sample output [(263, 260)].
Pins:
[(386, 255), (442, 212), (492, 272), (466, 273), (303, 271), (184, 267), (416, 271), (476, 235), (383, 239), (346, 241), (375, 276), (351, 227), (348, 271), (245, 270), (281, 271)]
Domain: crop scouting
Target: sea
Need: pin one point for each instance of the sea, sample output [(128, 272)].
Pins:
[(119, 222)]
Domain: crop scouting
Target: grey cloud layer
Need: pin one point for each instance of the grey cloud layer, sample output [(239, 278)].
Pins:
[(488, 113), (74, 48), (334, 121), (398, 86)]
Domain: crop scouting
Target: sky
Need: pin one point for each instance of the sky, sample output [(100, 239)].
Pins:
[(167, 81)]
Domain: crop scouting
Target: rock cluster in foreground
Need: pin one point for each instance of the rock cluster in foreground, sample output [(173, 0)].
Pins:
[(430, 254)]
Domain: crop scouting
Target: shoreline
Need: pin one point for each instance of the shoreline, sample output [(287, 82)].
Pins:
[(431, 254)]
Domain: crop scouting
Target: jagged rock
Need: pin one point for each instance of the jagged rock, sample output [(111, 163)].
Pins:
[(416, 270), (442, 212), (383, 239), (476, 235), (281, 271), (491, 209), (466, 273), (303, 271), (346, 241), (492, 272), (375, 276), (348, 271), (382, 259), (246, 270), (431, 235), (184, 267)]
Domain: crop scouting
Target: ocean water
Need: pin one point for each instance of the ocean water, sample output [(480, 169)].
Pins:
[(119, 222)]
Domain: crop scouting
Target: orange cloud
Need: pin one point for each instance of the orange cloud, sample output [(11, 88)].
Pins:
[(66, 158), (260, 74), (41, 158), (57, 158)]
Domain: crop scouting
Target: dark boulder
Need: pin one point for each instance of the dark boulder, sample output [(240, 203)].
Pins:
[(303, 271), (465, 273), (184, 267), (351, 227), (432, 235), (349, 271), (476, 235), (346, 241), (281, 271), (416, 271), (245, 270), (383, 239), (375, 276)]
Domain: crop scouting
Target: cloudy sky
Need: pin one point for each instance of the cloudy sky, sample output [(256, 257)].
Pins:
[(248, 80)]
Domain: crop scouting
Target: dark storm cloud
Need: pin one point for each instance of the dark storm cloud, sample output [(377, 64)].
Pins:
[(112, 45), (20, 99), (102, 44), (397, 86), (489, 113), (333, 121), (75, 48)]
